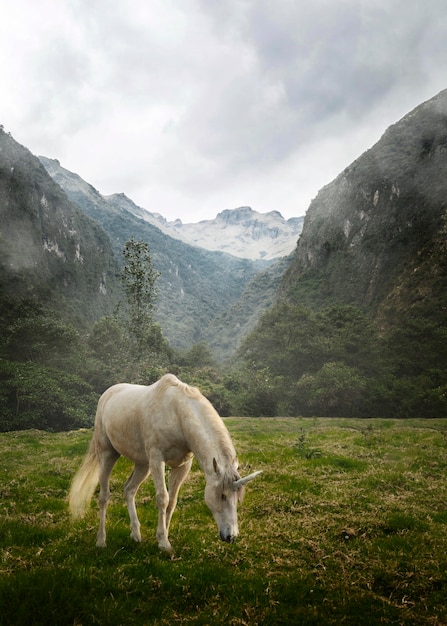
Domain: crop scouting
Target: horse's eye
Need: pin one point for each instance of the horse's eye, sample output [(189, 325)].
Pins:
[(224, 497)]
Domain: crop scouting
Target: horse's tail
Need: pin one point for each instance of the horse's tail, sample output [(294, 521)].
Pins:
[(84, 482)]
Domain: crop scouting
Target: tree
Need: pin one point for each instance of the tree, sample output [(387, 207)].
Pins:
[(318, 361), (148, 351), (335, 390), (286, 341), (351, 337), (138, 278), (198, 356), (35, 396)]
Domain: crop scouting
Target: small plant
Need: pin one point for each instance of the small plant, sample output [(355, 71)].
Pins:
[(304, 449)]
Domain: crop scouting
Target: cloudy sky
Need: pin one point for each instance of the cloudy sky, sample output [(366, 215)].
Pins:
[(191, 107)]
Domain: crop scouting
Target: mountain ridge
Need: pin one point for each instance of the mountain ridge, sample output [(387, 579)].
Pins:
[(241, 232), (195, 285)]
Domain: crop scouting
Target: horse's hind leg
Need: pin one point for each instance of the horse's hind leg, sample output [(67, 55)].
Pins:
[(139, 473), (106, 462)]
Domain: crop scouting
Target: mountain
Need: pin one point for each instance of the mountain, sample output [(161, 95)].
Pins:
[(49, 249), (376, 235), (359, 325), (195, 285), (241, 232), (226, 330)]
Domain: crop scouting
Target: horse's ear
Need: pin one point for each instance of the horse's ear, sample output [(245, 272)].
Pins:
[(216, 469)]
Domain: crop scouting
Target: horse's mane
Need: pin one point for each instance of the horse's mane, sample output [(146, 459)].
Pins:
[(225, 443), (169, 380)]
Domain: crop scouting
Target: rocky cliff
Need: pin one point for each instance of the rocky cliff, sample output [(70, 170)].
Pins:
[(49, 249), (376, 235)]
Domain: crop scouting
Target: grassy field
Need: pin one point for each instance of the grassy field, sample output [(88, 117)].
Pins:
[(347, 525)]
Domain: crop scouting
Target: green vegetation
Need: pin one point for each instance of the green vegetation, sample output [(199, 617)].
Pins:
[(138, 278), (52, 372), (346, 525), (336, 361), (43, 375), (296, 362)]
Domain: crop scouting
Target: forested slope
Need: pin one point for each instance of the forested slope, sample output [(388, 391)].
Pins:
[(360, 325)]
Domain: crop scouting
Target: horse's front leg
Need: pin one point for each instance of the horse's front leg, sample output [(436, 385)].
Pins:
[(176, 480), (157, 467), (134, 481)]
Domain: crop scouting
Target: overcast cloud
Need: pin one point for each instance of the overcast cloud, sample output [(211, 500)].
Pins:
[(191, 107)]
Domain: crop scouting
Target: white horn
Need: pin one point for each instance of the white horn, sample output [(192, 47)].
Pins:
[(243, 481)]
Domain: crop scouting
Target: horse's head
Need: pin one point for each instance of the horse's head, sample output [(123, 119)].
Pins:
[(222, 493)]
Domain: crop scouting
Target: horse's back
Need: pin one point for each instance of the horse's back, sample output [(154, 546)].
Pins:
[(120, 401), (135, 397), (135, 419)]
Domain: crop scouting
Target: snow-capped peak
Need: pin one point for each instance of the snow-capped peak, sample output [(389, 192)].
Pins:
[(242, 232)]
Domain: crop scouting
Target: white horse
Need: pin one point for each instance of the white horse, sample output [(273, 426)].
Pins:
[(164, 423)]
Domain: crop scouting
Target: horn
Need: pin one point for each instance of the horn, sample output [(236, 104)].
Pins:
[(243, 481)]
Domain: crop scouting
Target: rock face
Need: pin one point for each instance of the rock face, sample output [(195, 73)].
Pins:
[(49, 249), (376, 234)]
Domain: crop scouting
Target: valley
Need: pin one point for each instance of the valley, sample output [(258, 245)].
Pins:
[(350, 323)]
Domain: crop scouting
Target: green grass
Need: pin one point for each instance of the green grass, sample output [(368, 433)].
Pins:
[(347, 525)]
